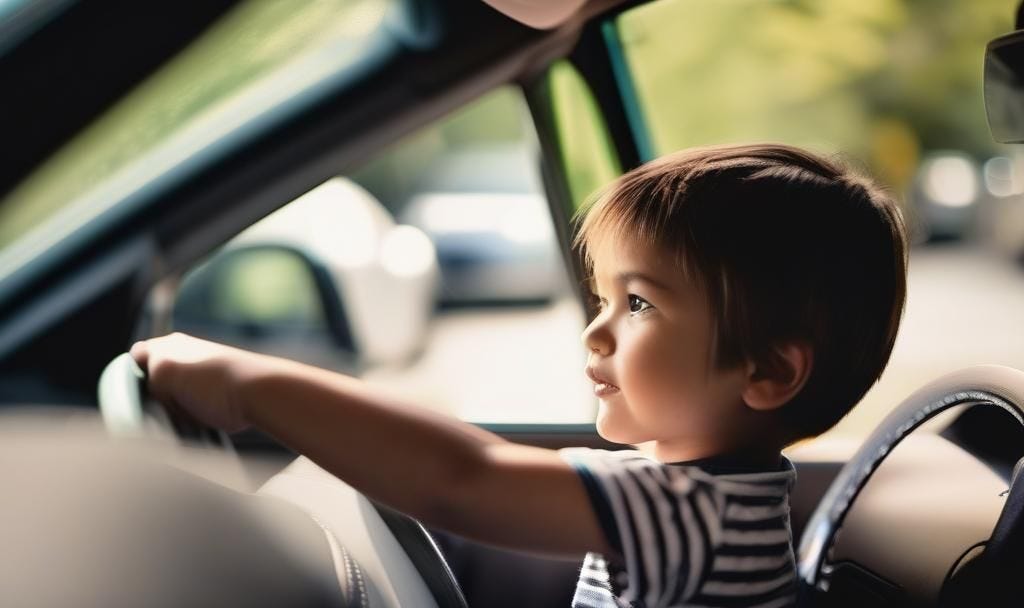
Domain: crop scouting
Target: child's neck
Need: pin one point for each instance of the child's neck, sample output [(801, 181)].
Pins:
[(668, 451)]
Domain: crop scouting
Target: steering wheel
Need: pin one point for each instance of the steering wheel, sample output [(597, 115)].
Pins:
[(382, 557), (985, 386)]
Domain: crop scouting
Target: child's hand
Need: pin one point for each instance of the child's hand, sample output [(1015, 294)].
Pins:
[(197, 376)]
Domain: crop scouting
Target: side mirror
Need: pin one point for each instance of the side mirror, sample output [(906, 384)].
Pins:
[(328, 279), (274, 299)]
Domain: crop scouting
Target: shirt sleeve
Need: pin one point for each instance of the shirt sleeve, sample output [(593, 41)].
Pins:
[(664, 522)]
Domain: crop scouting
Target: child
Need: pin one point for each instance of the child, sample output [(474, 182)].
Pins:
[(748, 297)]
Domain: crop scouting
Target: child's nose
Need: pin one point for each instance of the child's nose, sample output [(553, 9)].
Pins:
[(598, 339)]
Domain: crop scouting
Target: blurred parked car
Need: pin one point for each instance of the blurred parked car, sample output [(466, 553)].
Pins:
[(945, 193), (487, 215)]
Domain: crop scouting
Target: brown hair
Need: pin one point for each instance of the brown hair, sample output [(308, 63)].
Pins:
[(787, 246)]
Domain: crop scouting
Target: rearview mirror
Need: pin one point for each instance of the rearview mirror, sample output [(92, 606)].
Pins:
[(1004, 88)]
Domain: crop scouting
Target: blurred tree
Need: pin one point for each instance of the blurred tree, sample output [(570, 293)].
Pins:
[(882, 80)]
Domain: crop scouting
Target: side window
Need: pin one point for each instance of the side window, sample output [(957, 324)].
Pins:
[(433, 271)]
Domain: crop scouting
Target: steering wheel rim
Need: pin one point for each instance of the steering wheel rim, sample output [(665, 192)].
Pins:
[(986, 385)]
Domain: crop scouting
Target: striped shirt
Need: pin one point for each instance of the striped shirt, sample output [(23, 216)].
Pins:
[(686, 534)]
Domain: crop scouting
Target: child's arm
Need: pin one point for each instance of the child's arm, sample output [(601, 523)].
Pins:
[(437, 469)]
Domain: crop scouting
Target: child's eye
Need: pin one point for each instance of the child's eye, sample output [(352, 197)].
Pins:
[(597, 302), (638, 304)]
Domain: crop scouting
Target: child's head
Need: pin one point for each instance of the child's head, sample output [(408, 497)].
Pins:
[(772, 287)]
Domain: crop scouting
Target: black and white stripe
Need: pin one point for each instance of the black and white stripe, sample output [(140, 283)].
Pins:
[(685, 536)]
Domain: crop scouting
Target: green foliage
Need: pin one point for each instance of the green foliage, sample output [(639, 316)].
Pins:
[(881, 80), (588, 158)]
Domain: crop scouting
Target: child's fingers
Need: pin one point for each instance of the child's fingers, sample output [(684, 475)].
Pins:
[(140, 352), (185, 424)]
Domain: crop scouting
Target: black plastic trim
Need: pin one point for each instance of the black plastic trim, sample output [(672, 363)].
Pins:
[(425, 556)]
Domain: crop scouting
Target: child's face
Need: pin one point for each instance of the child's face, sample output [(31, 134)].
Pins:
[(649, 355)]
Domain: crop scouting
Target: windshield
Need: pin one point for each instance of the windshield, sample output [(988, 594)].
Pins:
[(255, 65)]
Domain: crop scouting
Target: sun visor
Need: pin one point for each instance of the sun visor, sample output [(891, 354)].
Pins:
[(541, 14)]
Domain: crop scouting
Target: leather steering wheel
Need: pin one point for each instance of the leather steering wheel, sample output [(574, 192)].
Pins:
[(987, 386)]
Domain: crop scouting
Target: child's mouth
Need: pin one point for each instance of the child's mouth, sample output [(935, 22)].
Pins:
[(601, 386)]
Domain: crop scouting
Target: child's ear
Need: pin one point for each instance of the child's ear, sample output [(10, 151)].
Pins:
[(773, 382)]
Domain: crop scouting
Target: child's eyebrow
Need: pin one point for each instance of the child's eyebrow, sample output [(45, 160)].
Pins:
[(627, 277)]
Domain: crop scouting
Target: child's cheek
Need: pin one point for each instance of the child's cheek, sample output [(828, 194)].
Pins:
[(661, 371)]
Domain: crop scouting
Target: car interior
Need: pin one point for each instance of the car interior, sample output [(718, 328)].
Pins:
[(386, 188)]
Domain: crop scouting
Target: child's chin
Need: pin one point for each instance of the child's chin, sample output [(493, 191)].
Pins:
[(615, 433)]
